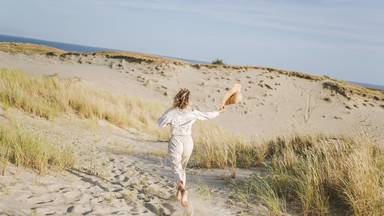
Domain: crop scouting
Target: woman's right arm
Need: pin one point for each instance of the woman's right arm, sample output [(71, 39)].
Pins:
[(164, 119)]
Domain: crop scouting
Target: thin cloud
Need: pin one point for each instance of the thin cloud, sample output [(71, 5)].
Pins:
[(286, 17)]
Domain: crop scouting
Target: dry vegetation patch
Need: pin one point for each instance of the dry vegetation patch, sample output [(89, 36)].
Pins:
[(322, 175), (348, 90), (48, 97), (138, 57), (29, 49), (27, 148)]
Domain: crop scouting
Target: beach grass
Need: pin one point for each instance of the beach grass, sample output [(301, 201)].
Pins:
[(322, 175), (49, 97), (27, 148), (217, 148)]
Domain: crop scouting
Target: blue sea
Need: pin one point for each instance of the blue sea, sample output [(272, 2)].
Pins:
[(88, 49), (63, 46)]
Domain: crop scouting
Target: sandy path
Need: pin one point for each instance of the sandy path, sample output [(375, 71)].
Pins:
[(117, 173)]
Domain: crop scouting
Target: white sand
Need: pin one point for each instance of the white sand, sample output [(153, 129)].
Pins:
[(130, 179)]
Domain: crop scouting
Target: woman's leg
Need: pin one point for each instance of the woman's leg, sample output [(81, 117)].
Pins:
[(179, 150), (175, 151), (187, 152)]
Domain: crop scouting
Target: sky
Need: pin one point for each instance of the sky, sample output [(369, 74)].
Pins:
[(343, 39)]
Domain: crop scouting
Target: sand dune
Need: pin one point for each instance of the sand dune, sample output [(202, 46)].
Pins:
[(123, 173), (274, 102)]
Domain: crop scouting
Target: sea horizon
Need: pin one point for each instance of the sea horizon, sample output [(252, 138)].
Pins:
[(68, 47)]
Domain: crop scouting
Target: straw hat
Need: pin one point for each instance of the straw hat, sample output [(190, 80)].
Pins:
[(233, 96)]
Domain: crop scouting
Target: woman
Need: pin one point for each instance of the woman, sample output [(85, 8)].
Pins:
[(181, 117)]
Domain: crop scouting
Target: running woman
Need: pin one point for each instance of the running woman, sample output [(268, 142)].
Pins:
[(181, 117)]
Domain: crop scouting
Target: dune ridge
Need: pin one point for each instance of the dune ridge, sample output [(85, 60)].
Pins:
[(275, 101)]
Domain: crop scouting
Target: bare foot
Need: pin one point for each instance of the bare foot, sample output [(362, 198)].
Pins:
[(184, 200), (178, 195)]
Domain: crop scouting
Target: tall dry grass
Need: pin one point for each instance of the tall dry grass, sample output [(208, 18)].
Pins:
[(324, 176), (215, 147), (26, 148), (48, 97)]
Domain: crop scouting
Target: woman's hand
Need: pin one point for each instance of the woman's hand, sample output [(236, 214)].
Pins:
[(222, 110)]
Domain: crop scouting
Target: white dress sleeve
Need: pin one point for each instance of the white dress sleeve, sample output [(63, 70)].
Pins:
[(205, 115), (164, 119)]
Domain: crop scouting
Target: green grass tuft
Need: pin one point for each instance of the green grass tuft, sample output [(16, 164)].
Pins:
[(218, 62)]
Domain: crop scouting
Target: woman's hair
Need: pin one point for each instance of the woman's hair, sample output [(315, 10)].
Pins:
[(181, 100)]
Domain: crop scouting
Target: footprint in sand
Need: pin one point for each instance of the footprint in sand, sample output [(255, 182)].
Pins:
[(72, 195)]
